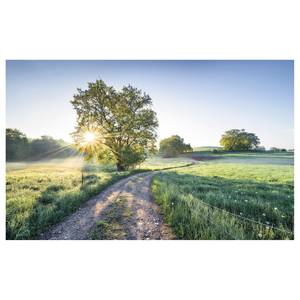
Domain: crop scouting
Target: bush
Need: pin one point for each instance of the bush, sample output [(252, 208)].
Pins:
[(173, 146)]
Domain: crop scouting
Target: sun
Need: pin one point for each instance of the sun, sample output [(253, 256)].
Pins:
[(89, 137)]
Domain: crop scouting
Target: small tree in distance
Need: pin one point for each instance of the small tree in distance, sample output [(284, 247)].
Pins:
[(173, 146), (239, 140)]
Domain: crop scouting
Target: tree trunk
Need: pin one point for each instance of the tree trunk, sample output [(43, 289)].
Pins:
[(121, 167)]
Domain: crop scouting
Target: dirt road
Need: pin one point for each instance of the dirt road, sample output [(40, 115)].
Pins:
[(124, 210)]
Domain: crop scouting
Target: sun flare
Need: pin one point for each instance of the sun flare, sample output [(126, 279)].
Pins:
[(89, 137)]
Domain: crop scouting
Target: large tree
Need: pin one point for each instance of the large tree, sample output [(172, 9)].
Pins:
[(112, 125), (173, 146), (239, 140)]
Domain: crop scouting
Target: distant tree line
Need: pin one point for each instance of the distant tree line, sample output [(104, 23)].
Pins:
[(19, 147), (231, 140), (275, 149)]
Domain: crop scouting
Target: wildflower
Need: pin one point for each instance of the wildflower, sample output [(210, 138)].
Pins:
[(267, 222), (260, 235), (282, 216), (172, 203), (267, 227), (275, 208), (246, 200), (264, 215), (241, 213)]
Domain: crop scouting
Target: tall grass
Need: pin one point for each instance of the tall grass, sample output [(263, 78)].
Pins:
[(40, 196), (215, 201)]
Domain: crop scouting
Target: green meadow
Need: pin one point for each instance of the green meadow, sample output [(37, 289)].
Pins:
[(159, 163), (202, 195), (234, 196), (39, 195)]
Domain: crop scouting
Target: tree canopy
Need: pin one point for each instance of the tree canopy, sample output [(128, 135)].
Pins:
[(19, 147), (275, 149), (48, 147), (173, 146), (122, 122), (239, 140)]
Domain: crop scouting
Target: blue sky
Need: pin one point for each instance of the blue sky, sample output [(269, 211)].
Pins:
[(198, 100)]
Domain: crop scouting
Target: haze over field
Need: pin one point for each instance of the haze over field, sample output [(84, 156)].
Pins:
[(239, 191), (195, 99)]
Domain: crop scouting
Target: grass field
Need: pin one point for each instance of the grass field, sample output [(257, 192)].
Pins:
[(40, 194), (281, 158), (159, 163), (209, 200), (239, 196), (207, 148)]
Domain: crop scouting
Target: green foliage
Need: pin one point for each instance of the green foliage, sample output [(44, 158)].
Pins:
[(173, 146), (17, 145), (263, 193), (46, 146), (239, 140), (40, 195), (132, 156), (124, 123), (274, 149)]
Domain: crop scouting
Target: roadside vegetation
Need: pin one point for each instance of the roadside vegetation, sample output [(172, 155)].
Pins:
[(256, 186), (222, 199), (40, 195)]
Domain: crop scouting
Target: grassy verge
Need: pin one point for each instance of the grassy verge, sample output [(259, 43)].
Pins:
[(38, 197), (214, 201), (41, 194)]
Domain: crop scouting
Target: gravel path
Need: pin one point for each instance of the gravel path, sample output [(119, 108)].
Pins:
[(145, 221)]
